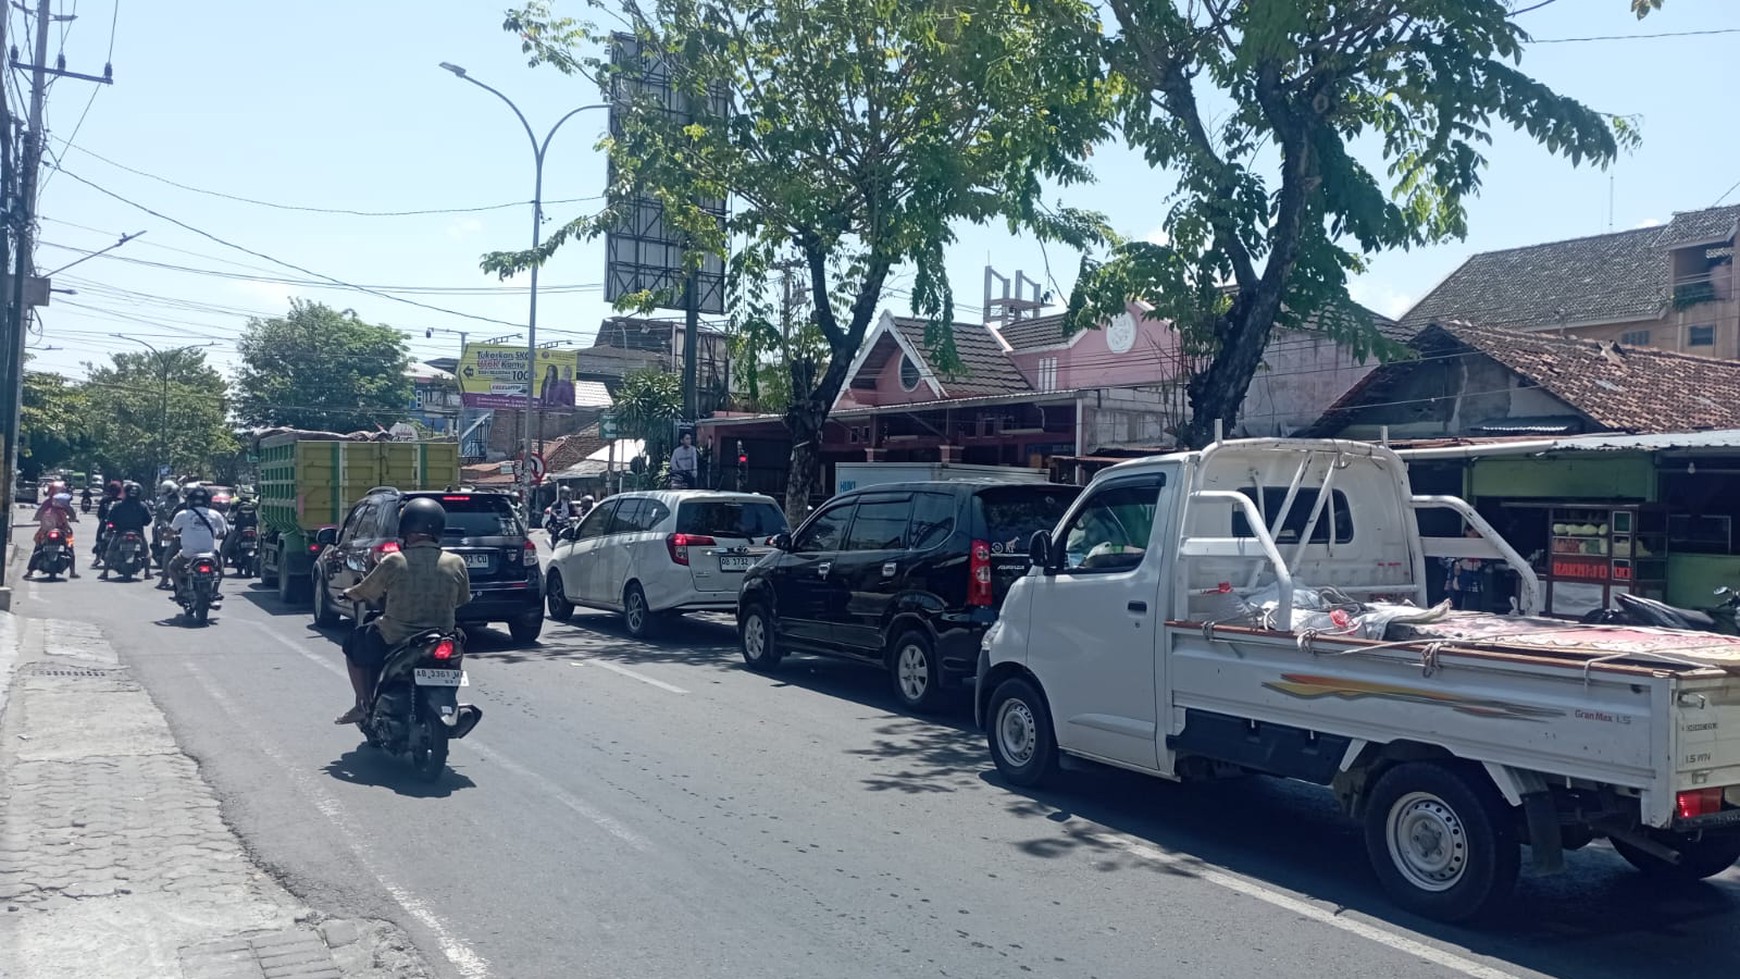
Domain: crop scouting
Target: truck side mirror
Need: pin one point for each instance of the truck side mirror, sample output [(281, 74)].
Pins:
[(1039, 551), (326, 536)]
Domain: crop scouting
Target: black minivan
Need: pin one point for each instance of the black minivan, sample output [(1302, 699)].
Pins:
[(907, 575)]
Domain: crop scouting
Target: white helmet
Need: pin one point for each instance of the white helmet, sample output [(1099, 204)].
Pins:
[(168, 487), (586, 499)]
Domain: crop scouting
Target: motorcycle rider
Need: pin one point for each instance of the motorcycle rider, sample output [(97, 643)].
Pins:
[(198, 528), (245, 515), (128, 514), (55, 514), (586, 504), (111, 494), (563, 511), (421, 586), (85, 499)]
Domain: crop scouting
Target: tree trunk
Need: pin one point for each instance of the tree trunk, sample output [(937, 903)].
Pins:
[(804, 479)]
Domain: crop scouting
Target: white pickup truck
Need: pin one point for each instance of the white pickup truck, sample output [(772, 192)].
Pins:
[(1255, 608)]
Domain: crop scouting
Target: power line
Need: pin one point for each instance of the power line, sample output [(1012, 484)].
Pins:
[(277, 261), (1725, 194), (108, 71), (1634, 37), (319, 210)]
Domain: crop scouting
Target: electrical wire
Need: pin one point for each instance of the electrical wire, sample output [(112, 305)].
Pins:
[(420, 212), (1634, 37), (1725, 194), (108, 69)]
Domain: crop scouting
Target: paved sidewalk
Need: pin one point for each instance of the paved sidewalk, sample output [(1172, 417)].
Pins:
[(114, 858)]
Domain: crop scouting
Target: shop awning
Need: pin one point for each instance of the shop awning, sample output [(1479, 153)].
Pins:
[(1713, 441)]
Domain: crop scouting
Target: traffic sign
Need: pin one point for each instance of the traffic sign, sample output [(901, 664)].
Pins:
[(607, 426), (529, 474)]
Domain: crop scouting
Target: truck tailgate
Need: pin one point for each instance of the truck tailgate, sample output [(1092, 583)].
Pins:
[(1707, 734)]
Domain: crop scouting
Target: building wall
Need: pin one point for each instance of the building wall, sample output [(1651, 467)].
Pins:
[(1090, 363), (1672, 331), (1449, 397), (1576, 476), (1116, 417), (1301, 376)]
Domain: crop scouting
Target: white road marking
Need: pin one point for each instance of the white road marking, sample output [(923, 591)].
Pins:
[(469, 963), (1304, 909), (632, 675), (580, 807)]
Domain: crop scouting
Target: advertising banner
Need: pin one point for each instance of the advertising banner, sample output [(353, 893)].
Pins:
[(495, 376)]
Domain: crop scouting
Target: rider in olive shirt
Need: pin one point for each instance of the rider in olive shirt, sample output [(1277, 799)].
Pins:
[(422, 585)]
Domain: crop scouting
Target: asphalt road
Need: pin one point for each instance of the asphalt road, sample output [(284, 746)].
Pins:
[(653, 809)]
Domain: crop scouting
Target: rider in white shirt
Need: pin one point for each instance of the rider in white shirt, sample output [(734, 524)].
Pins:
[(198, 528)]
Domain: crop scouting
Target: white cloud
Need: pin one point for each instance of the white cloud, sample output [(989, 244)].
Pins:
[(463, 229), (1377, 296), (1648, 223), (1157, 236)]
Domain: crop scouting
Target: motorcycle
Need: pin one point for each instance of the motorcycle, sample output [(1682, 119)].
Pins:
[(415, 710), (130, 557), (195, 592), (1636, 610), (245, 558), (54, 557)]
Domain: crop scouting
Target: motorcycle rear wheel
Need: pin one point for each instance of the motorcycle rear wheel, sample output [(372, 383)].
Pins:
[(430, 760)]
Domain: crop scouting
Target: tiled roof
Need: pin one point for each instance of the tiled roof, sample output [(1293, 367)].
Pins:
[(1624, 389), (568, 451), (1043, 331), (1599, 279), (985, 365)]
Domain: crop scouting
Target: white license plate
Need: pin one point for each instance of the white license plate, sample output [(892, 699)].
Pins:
[(441, 678), (477, 560), (735, 562)]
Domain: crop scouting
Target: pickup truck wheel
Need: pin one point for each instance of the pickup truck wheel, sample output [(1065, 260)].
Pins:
[(1019, 732), (636, 617), (555, 599), (1444, 845), (917, 681), (1700, 859), (755, 635), (324, 614)]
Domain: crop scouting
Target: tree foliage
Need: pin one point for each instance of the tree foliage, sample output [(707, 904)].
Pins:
[(146, 409), (54, 428), (860, 134), (1262, 110), (318, 368), (647, 404)]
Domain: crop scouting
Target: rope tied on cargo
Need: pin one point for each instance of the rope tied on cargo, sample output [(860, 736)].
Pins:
[(1429, 658)]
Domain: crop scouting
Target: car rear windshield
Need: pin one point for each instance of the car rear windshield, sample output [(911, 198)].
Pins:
[(1013, 513), (480, 516), (755, 519)]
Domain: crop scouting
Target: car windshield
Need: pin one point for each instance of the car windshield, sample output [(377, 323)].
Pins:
[(480, 516), (756, 519), (1014, 513)]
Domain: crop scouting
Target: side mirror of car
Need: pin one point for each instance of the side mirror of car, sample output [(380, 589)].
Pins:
[(781, 541), (1039, 551), (326, 536)]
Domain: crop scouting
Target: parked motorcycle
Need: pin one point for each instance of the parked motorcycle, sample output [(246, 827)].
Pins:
[(415, 710), (195, 592), (130, 556), (54, 557), (1636, 610), (245, 558)]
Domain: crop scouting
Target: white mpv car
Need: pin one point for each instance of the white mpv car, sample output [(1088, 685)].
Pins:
[(672, 551)]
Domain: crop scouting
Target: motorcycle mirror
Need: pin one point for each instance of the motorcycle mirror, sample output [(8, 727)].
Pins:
[(1723, 591)]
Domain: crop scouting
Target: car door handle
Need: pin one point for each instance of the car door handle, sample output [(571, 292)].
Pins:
[(1138, 607), (890, 569), (822, 569)]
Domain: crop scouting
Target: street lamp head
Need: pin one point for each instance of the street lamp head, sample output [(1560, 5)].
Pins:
[(450, 66)]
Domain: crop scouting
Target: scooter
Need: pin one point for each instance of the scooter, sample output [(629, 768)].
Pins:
[(130, 556), (415, 710), (1636, 610), (198, 588), (246, 558), (54, 557)]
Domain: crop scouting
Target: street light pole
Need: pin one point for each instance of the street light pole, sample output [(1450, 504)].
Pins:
[(538, 150), (163, 404)]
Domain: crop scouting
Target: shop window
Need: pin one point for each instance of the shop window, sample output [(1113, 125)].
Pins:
[(1701, 336), (1635, 338)]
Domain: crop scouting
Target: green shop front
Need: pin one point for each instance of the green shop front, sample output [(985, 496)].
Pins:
[(1597, 516)]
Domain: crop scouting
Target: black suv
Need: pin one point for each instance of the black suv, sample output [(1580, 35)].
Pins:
[(908, 575), (482, 528)]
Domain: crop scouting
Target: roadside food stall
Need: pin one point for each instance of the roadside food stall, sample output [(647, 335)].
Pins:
[(1601, 515)]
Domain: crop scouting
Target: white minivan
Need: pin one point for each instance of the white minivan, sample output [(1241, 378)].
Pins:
[(660, 551)]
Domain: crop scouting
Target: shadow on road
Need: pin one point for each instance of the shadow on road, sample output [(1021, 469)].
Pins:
[(363, 765), (263, 598), (1597, 919)]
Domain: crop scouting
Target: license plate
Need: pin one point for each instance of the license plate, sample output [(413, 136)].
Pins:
[(440, 678), (477, 560), (735, 562)]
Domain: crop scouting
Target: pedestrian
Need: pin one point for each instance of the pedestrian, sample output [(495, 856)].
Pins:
[(685, 463)]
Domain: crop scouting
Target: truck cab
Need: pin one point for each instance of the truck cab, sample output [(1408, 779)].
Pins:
[(1260, 607)]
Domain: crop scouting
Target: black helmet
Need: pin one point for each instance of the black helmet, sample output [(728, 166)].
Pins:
[(422, 516), (198, 496), (131, 489)]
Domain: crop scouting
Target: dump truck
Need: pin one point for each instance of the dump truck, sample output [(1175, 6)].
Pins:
[(310, 480)]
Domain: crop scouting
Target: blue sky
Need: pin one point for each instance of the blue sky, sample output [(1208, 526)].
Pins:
[(341, 105)]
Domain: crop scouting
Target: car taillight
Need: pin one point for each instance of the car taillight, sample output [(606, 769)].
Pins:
[(314, 548), (1698, 802), (679, 545), (979, 574), (527, 554), (443, 649)]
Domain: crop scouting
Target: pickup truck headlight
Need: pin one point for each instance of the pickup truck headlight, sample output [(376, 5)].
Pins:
[(990, 636)]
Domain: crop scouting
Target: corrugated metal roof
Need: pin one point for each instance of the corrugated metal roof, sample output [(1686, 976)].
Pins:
[(1723, 439)]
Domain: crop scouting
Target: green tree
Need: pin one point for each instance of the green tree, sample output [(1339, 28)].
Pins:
[(151, 409), (54, 429), (1262, 110), (646, 404), (318, 368), (862, 133)]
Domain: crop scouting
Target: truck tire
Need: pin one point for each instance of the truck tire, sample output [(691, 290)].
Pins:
[(1699, 859), (1443, 842), (1018, 727)]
